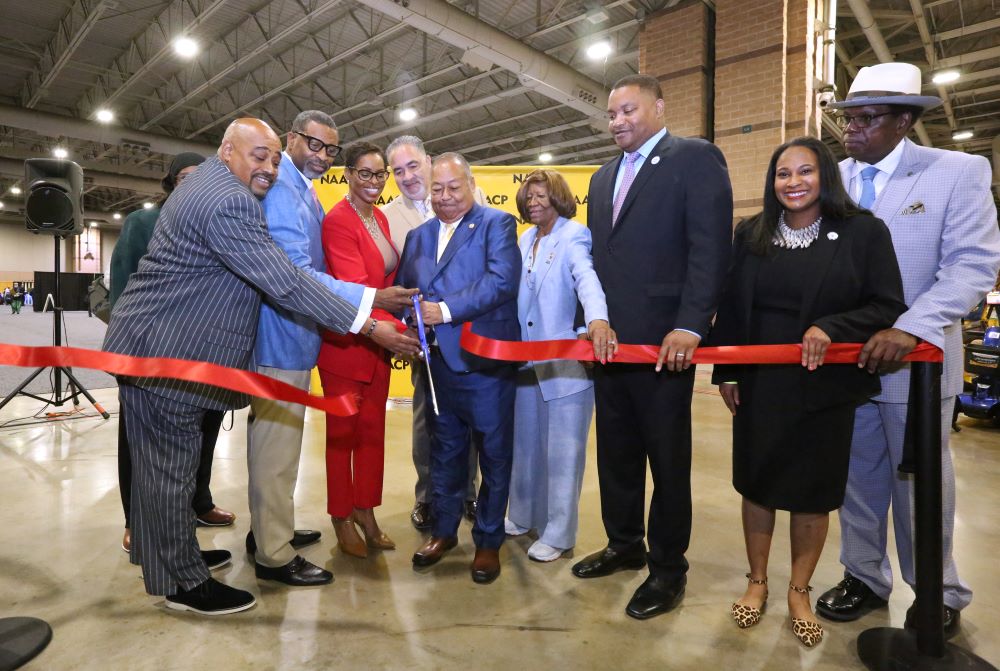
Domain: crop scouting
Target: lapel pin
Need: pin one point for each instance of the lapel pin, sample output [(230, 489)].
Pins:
[(472, 225), (655, 160), (832, 235)]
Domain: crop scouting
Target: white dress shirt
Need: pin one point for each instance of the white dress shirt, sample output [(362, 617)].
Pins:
[(886, 167)]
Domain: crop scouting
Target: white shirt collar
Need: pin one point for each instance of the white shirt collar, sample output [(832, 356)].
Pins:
[(308, 182), (647, 146), (887, 165)]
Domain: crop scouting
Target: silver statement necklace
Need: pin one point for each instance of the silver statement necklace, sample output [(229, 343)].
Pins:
[(369, 221), (795, 238)]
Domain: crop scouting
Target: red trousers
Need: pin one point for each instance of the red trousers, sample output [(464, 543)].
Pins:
[(355, 446)]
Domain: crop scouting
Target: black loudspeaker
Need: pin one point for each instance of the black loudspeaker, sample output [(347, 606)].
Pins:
[(53, 201)]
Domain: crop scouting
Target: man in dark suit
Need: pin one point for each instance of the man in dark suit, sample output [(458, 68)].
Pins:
[(661, 219), (466, 263), (210, 244)]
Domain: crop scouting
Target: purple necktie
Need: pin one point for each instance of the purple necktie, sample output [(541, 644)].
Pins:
[(627, 177), (319, 205)]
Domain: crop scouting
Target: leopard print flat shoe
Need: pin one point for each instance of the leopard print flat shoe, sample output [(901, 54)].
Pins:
[(808, 632), (748, 616)]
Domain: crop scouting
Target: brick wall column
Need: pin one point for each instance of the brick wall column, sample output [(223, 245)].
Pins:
[(764, 79), (675, 46)]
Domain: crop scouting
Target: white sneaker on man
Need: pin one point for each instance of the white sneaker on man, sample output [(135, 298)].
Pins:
[(539, 551), (512, 529)]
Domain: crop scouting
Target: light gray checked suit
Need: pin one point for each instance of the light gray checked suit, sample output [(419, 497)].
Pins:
[(196, 295), (940, 211)]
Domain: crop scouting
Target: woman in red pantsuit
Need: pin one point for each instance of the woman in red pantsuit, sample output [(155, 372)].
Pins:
[(358, 249)]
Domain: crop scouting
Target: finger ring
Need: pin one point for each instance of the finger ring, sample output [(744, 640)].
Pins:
[(612, 342), (680, 355)]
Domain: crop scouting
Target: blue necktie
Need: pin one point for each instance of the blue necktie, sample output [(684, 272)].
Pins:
[(868, 187)]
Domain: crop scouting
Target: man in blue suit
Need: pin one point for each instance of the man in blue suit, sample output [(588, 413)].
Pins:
[(466, 264), (287, 348)]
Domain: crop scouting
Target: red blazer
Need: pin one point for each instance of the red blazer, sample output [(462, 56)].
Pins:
[(352, 256)]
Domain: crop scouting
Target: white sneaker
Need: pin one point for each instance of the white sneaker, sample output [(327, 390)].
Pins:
[(512, 529), (539, 551)]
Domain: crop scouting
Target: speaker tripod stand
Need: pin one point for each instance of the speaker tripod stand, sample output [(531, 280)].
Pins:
[(59, 397)]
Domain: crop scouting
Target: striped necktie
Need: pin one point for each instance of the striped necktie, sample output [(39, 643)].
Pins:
[(627, 177)]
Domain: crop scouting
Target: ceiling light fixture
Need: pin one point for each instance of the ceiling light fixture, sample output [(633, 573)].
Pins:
[(598, 51), (185, 47), (147, 205), (116, 216), (962, 135), (15, 190), (407, 114), (545, 157), (105, 115), (946, 76)]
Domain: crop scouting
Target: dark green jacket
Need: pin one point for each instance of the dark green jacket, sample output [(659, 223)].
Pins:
[(137, 231)]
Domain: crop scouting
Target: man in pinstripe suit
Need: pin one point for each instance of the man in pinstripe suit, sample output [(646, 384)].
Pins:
[(197, 296), (940, 211)]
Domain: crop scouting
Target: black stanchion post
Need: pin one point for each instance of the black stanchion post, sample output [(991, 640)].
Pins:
[(890, 649)]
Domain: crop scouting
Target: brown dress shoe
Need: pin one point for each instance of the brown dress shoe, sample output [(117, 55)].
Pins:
[(486, 566), (348, 539), (127, 540), (433, 550), (217, 517)]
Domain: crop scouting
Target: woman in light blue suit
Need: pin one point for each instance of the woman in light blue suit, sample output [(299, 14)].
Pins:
[(555, 399)]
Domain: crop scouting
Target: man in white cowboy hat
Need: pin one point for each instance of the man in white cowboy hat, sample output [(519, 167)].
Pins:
[(940, 211)]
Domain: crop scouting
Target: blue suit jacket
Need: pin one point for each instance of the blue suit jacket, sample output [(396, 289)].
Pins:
[(477, 278), (286, 339), (197, 292), (563, 275)]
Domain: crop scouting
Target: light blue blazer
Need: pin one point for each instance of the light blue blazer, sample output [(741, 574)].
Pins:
[(563, 274)]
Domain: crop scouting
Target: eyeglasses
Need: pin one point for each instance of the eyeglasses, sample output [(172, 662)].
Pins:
[(366, 175), (315, 144), (860, 120)]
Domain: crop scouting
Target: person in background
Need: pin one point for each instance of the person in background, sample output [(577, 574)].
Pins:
[(813, 268), (16, 298), (555, 399), (137, 231)]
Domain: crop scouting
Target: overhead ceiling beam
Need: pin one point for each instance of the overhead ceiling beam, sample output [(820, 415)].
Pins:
[(965, 31), (135, 63), (969, 58), (73, 28), (931, 55), (56, 125), (93, 175), (210, 84), (305, 76), (486, 44), (867, 22)]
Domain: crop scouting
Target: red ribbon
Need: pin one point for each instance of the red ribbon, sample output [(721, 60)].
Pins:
[(583, 350), (232, 379)]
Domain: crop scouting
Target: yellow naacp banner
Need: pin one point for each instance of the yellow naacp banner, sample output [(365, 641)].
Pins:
[(499, 184)]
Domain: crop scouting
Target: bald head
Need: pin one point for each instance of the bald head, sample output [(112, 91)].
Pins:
[(252, 152), (452, 187)]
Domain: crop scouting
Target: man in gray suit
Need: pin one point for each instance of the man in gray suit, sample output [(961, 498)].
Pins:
[(411, 168), (210, 243), (940, 211)]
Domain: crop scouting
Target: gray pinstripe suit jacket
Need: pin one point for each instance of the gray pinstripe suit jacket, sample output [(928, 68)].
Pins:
[(940, 211), (198, 290)]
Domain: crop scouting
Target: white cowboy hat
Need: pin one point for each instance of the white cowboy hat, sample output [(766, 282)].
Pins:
[(887, 84)]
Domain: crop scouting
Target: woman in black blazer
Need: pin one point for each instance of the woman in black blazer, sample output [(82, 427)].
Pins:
[(810, 268)]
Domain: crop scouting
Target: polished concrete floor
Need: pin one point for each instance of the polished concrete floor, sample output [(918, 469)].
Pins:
[(60, 528)]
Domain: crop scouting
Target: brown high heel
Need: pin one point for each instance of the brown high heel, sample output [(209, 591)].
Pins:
[(348, 539), (748, 616), (808, 632), (378, 541)]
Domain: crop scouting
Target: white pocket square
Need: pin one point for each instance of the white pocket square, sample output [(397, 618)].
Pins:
[(915, 208)]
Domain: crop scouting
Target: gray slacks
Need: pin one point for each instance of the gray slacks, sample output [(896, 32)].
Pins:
[(274, 443)]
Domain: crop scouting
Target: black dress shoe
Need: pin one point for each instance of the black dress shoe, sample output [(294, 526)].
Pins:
[(297, 573), (300, 539), (848, 601), (609, 560), (471, 507), (952, 620), (211, 598), (656, 596), (421, 516), (216, 558)]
